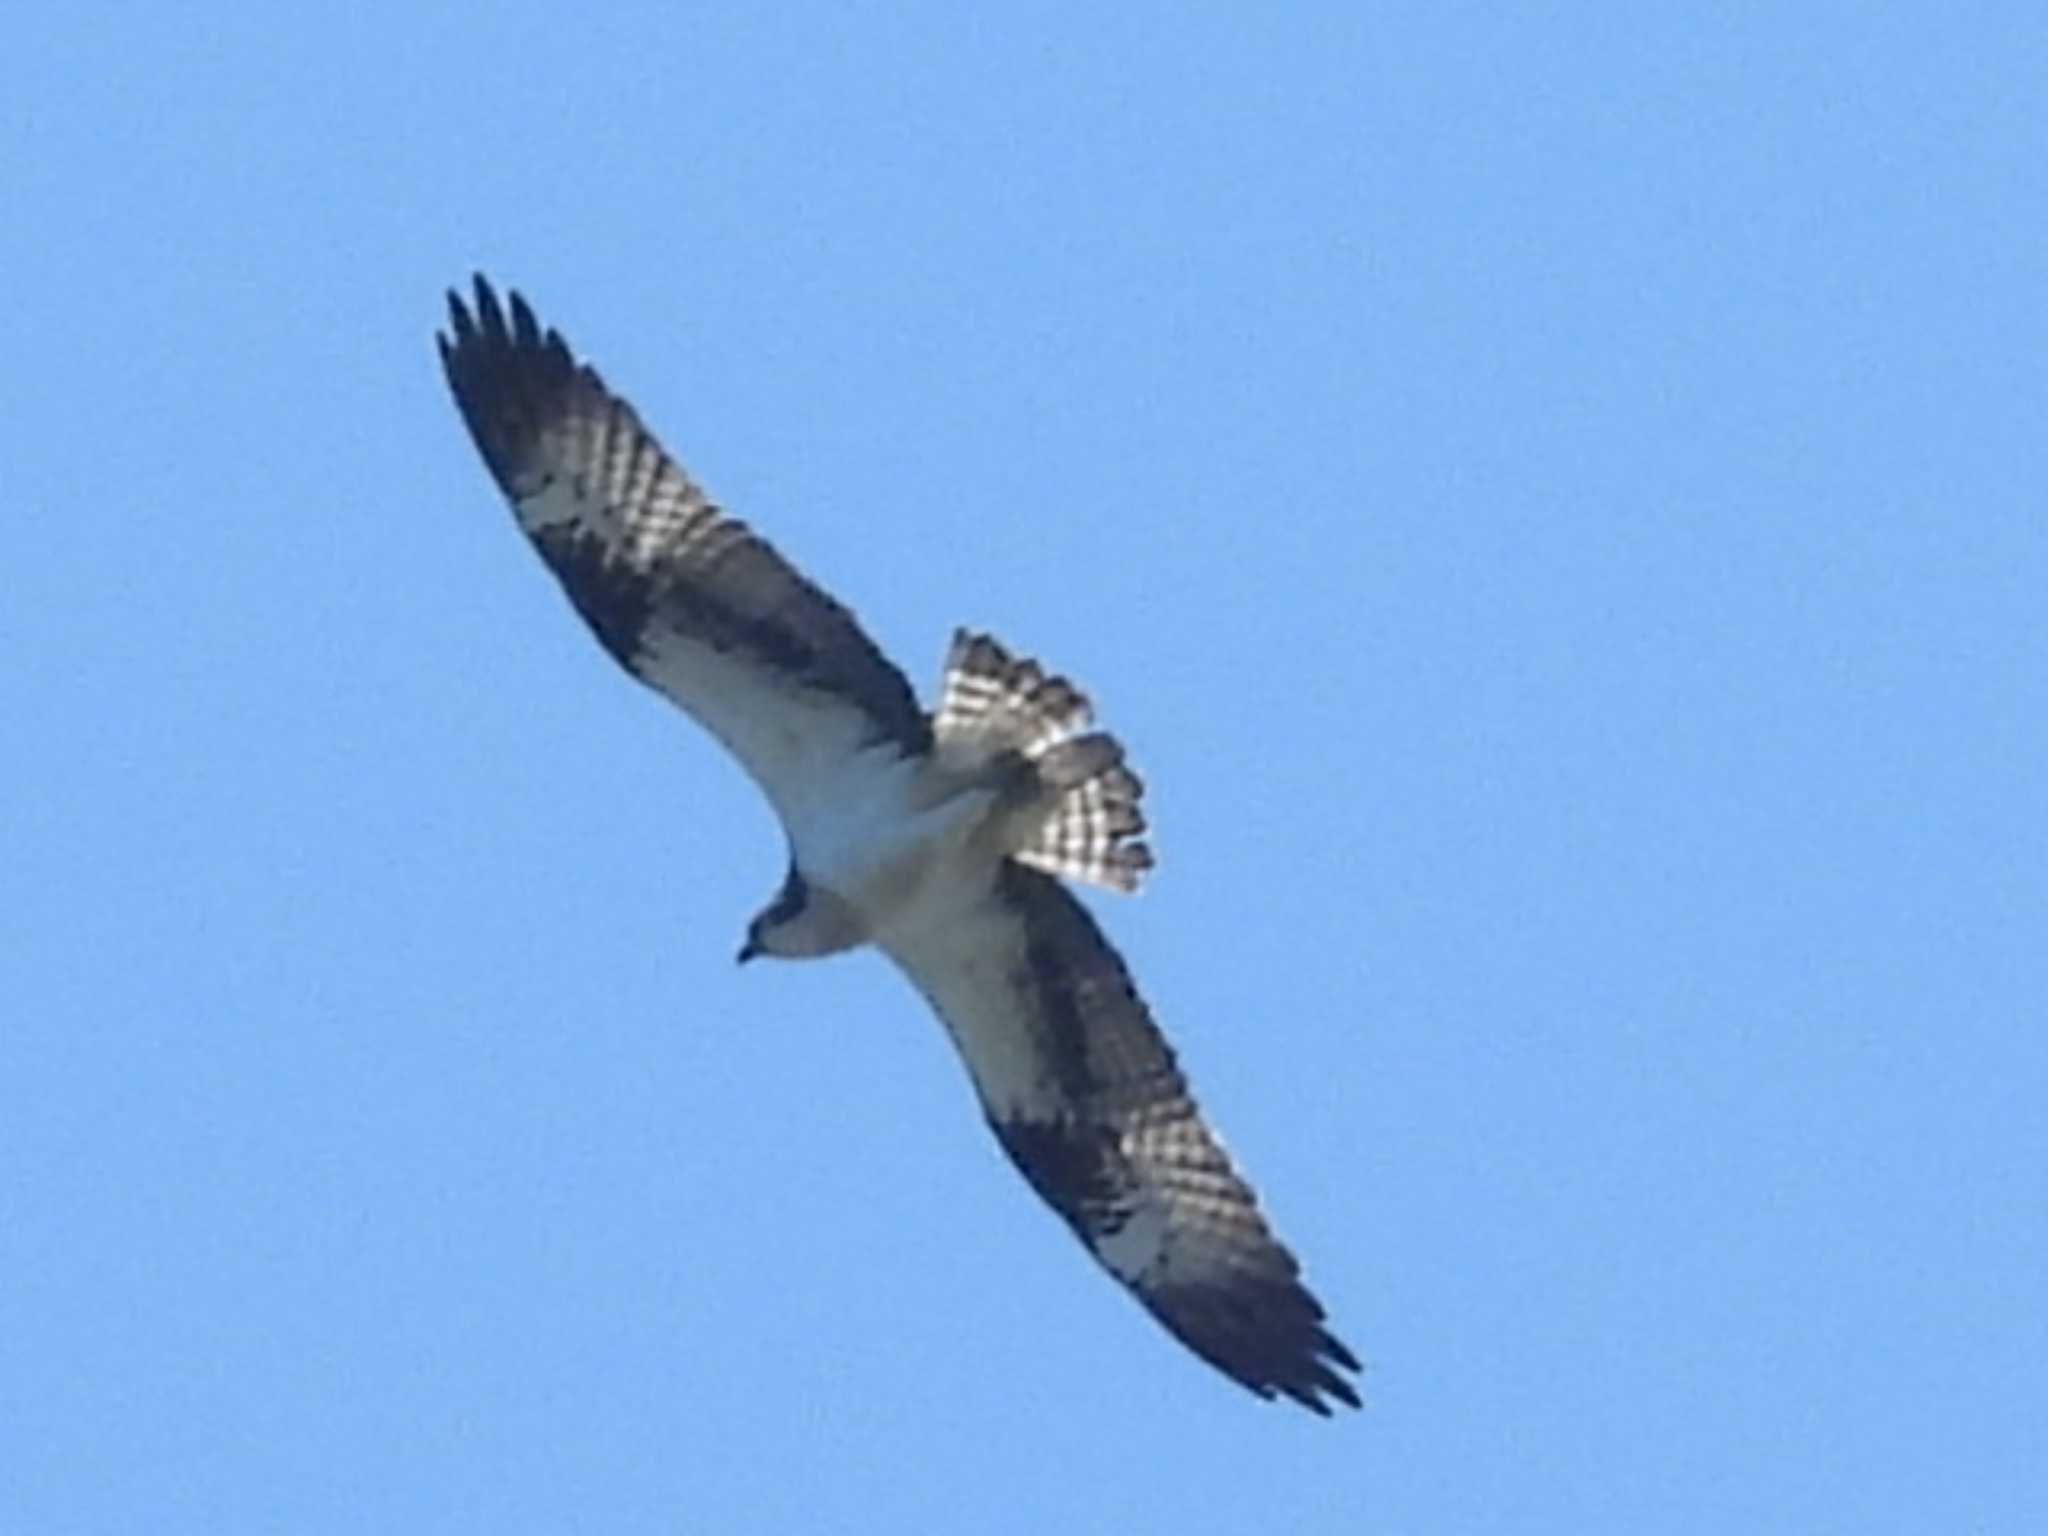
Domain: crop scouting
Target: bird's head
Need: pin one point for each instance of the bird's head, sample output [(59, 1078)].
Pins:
[(801, 922), (768, 933)]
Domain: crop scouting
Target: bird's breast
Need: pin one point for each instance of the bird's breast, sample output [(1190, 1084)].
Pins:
[(890, 853)]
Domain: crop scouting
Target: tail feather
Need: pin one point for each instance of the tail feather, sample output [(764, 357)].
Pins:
[(1070, 764), (994, 704), (1093, 835)]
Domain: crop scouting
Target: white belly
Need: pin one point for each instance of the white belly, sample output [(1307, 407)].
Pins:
[(887, 855)]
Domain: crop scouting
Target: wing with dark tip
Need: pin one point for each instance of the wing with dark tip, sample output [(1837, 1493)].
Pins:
[(689, 600), (1085, 1095)]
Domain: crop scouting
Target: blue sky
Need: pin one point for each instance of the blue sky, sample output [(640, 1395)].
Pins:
[(1551, 496)]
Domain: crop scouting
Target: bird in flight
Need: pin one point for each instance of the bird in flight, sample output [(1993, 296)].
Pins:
[(943, 838)]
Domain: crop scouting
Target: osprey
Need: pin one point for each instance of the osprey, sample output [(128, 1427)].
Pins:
[(940, 838)]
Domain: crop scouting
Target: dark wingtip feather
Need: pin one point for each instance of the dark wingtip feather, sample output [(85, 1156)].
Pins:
[(505, 384), (490, 315), (1266, 1331), (1308, 1400), (458, 320), (1334, 1348), (525, 331), (1312, 1377)]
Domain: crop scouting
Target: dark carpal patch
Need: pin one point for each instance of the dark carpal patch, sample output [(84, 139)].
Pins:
[(1074, 1168), (1101, 1040), (614, 599)]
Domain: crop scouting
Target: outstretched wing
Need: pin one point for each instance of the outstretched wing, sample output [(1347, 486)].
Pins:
[(1084, 1094), (690, 601)]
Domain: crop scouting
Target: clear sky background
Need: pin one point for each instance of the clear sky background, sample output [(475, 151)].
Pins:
[(1553, 497)]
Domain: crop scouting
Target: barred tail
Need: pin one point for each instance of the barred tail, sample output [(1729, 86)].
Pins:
[(995, 704), (1094, 830)]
